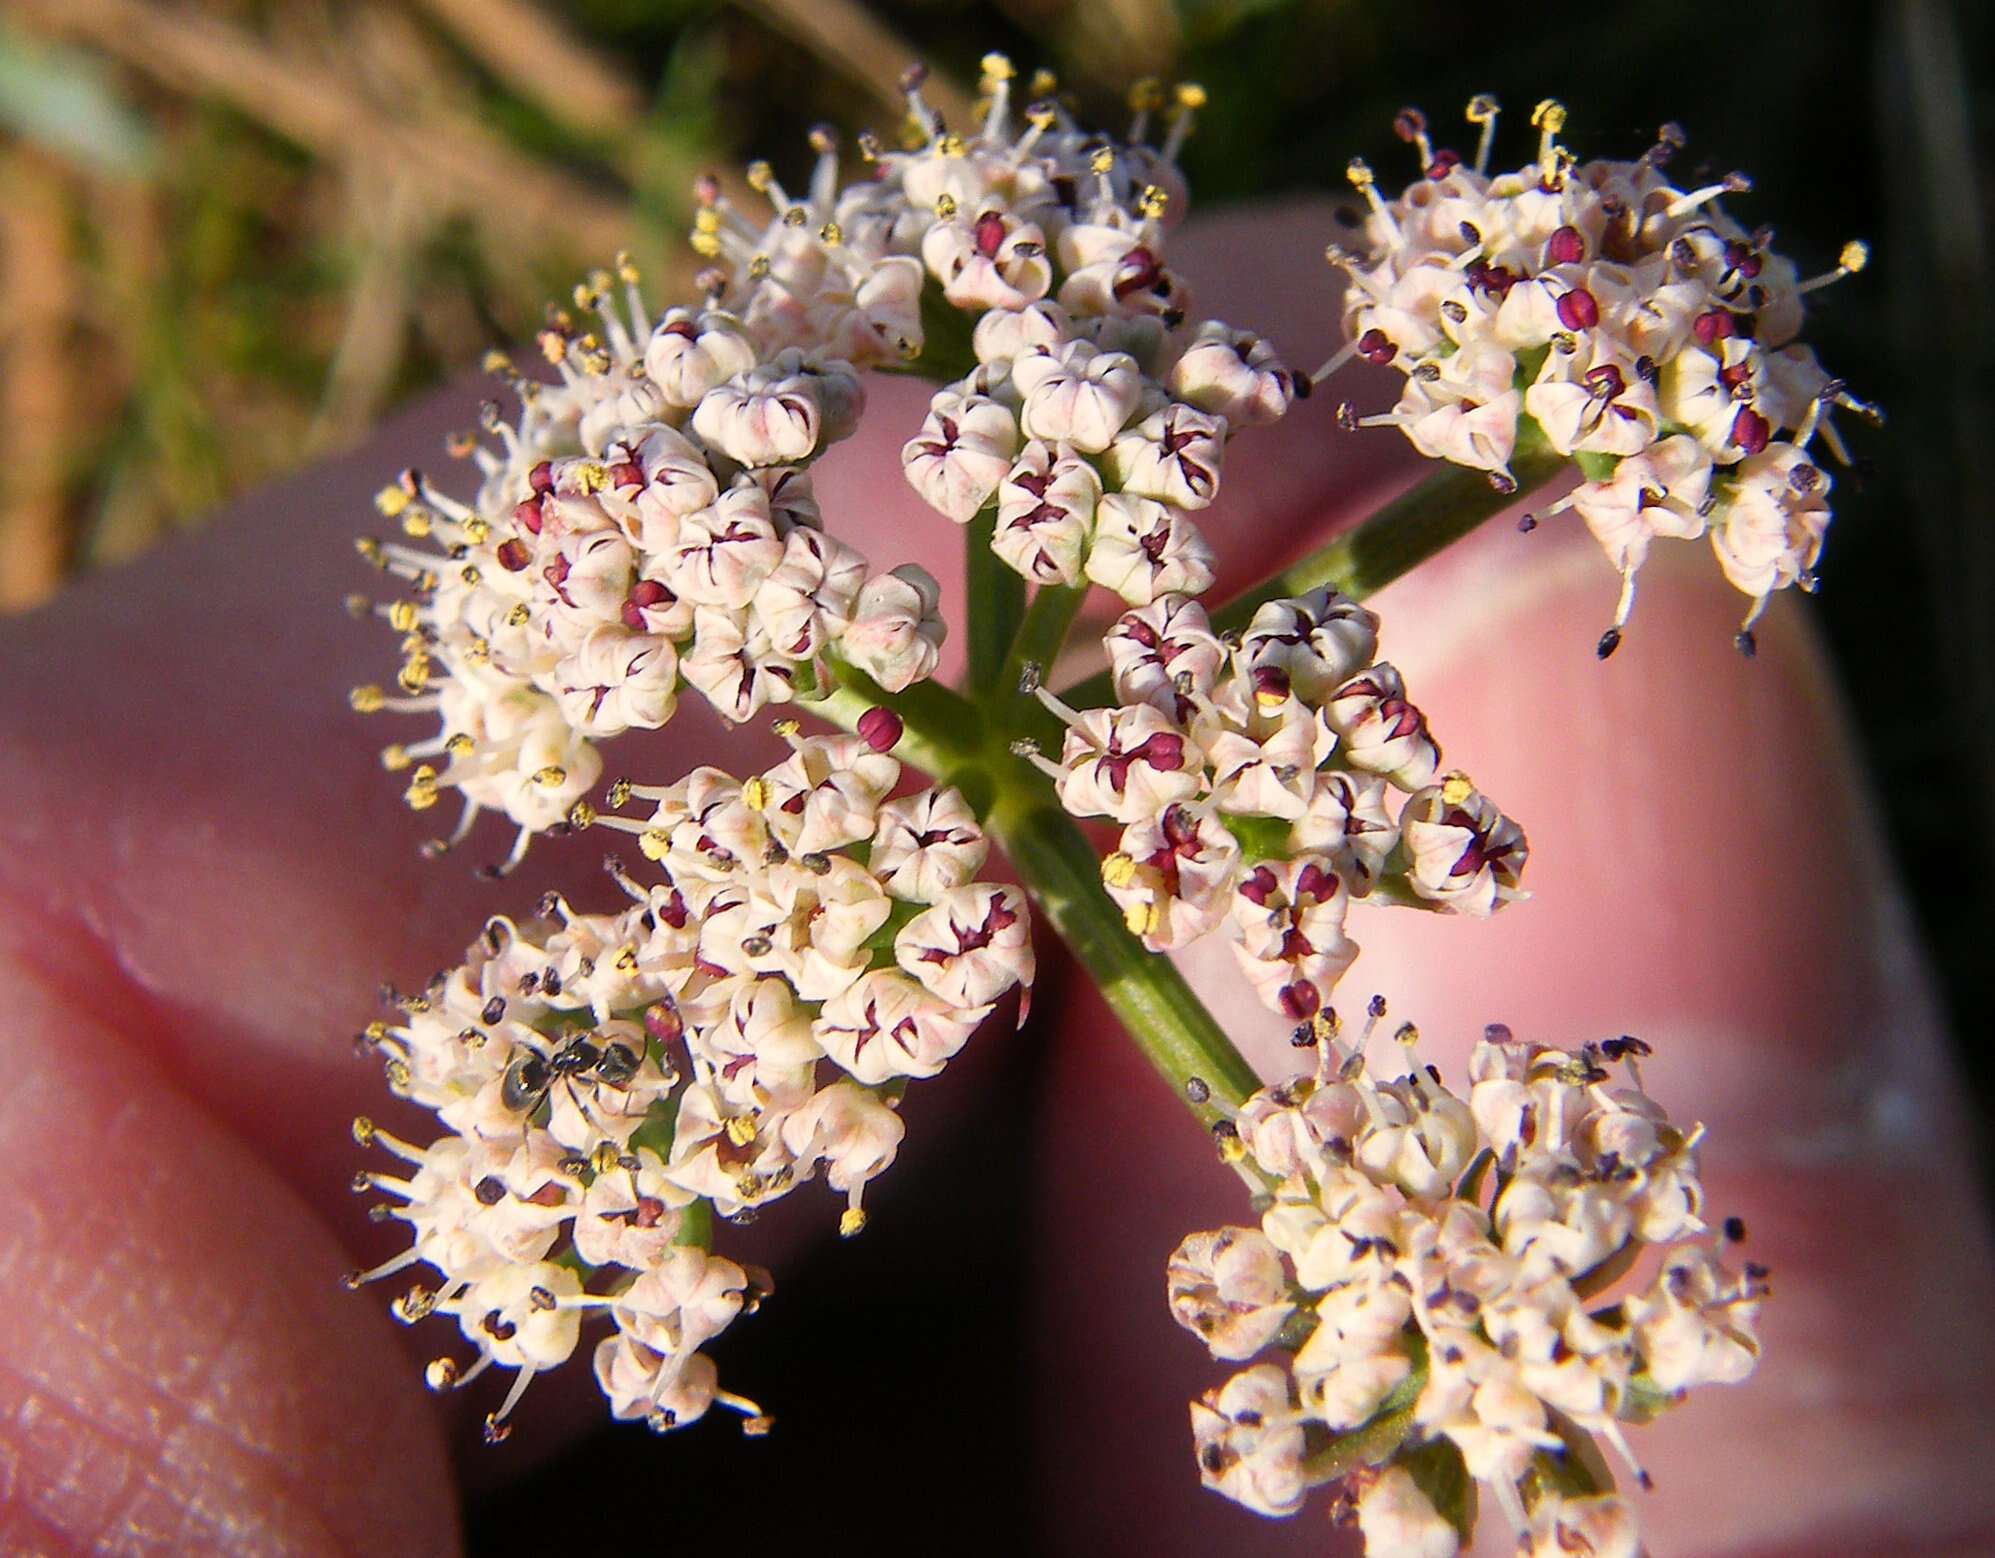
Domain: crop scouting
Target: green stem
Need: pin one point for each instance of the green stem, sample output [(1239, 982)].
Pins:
[(996, 603), (1168, 1022), (1420, 522), (1372, 1442), (1043, 632), (1423, 520)]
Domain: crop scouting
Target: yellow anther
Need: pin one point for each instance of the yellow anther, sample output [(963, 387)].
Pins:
[(397, 1073), (1232, 1149), (592, 476), (1482, 108), (618, 794), (952, 145), (786, 728), (553, 345), (402, 616), (421, 793), (460, 745), (1549, 116), (1152, 201), (1102, 160), (584, 297), (740, 1130), (440, 1373), (627, 271), (945, 205), (363, 1130), (760, 176), (469, 573), (1146, 95), (852, 1221), (477, 530), (796, 216), (626, 961), (391, 501), (519, 616), (1118, 870), (600, 281), (1855, 255), (496, 361), (370, 549), (1325, 1024), (1457, 788), (552, 777), (755, 793), (706, 220), (831, 233), (908, 347), (1041, 117), (414, 1305), (1190, 95), (655, 843), (1406, 1034), (758, 267), (395, 758), (604, 1158), (997, 67), (1359, 172), (375, 1031), (581, 815), (414, 675), (1141, 918), (367, 700), (706, 246), (1043, 83), (417, 522), (359, 606)]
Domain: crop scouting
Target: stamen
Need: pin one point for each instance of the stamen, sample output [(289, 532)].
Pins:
[(1482, 110)]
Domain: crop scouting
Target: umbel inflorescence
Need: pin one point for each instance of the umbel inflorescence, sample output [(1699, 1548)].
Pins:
[(1595, 310), (1451, 1292), (1444, 1291)]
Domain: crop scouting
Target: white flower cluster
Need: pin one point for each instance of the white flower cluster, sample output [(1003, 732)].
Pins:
[(681, 547), (1633, 326), (1093, 426), (1463, 1279), (1252, 778), (610, 1082)]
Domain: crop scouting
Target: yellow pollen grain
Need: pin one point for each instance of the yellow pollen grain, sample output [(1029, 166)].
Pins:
[(552, 777), (740, 1130), (395, 758), (367, 700), (402, 616), (851, 1222), (376, 1031), (618, 793), (460, 745), (1457, 788), (1359, 172), (1855, 255), (477, 530), (1549, 116), (655, 843), (390, 501), (1190, 94), (1152, 201), (414, 676), (1102, 161), (417, 523), (1118, 870), (581, 815), (1232, 1150), (706, 246), (952, 145), (997, 67), (592, 476), (755, 793)]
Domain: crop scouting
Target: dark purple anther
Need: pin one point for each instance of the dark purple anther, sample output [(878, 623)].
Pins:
[(527, 515), (513, 555), (1565, 247), (541, 477), (1300, 1000), (1750, 430), (1578, 310), (1713, 326), (1375, 348), (990, 234), (880, 729)]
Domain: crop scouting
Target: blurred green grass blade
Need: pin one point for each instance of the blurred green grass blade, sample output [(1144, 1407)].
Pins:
[(64, 101)]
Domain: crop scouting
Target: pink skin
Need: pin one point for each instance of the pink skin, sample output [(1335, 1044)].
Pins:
[(203, 874)]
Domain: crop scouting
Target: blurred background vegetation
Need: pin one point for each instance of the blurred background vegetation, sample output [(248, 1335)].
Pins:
[(234, 232)]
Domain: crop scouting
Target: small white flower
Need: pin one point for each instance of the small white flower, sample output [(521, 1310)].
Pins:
[(1382, 732), (692, 353), (961, 454), (886, 1025), (1250, 1442), (1235, 375), (725, 552), (927, 844), (1400, 1521), (1046, 510), (896, 631), (970, 947), (1464, 854), (1228, 1289), (1077, 395), (1173, 455), (987, 258), (1144, 549), (762, 417)]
